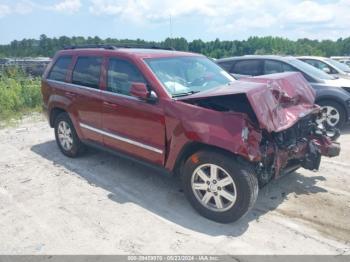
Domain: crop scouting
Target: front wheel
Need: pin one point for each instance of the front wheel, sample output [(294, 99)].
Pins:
[(219, 187)]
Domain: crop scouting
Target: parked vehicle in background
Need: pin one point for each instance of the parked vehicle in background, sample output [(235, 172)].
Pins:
[(327, 65), (33, 66), (346, 61), (342, 59), (332, 93), (183, 113)]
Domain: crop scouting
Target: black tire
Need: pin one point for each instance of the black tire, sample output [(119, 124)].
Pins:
[(338, 107), (242, 174), (77, 147)]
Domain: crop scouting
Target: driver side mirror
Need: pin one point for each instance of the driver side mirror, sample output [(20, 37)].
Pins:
[(140, 90)]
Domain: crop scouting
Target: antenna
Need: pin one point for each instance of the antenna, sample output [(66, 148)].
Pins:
[(171, 26), (171, 31)]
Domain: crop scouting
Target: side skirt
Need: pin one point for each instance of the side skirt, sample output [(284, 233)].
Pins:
[(128, 157)]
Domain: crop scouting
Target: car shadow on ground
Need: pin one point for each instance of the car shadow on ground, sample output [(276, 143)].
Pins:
[(128, 181)]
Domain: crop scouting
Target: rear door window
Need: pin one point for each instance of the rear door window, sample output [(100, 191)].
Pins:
[(272, 67), (87, 71), (60, 68), (247, 67), (289, 68)]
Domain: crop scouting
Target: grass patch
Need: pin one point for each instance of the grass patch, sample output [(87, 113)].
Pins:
[(19, 95)]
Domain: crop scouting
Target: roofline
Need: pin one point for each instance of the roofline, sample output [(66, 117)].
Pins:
[(311, 57), (116, 46), (276, 57), (143, 53)]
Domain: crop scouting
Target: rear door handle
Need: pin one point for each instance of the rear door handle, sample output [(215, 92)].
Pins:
[(110, 105), (70, 94)]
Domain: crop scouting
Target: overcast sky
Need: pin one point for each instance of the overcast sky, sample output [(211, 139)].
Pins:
[(192, 19)]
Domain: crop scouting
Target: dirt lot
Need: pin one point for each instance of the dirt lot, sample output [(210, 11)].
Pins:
[(50, 204)]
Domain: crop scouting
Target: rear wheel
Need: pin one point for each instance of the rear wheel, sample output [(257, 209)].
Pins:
[(334, 114), (219, 187), (66, 136)]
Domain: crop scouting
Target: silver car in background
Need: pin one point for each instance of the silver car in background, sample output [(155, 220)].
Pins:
[(328, 65)]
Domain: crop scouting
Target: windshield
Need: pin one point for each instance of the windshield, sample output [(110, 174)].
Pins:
[(188, 75), (310, 70), (339, 65)]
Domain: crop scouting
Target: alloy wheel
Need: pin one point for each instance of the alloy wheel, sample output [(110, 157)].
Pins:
[(65, 137), (213, 187), (330, 115)]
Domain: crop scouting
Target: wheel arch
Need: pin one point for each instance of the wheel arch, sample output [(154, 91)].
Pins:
[(191, 148), (54, 112)]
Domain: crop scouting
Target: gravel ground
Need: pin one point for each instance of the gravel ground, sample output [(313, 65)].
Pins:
[(102, 204)]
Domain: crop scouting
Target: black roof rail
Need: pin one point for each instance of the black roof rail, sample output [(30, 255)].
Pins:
[(89, 46), (116, 46)]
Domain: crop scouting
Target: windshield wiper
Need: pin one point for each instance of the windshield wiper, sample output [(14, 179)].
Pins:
[(185, 93)]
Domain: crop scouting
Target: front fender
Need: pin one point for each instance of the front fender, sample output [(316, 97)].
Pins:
[(226, 130)]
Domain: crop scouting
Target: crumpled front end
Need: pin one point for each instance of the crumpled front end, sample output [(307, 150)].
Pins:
[(287, 116), (301, 145), (287, 98), (281, 132)]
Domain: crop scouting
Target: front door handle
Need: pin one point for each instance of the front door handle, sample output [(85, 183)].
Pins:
[(110, 105)]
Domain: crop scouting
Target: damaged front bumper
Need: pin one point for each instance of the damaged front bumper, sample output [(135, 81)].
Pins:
[(306, 154), (301, 151)]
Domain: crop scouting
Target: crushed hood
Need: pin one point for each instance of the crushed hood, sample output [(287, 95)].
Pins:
[(278, 100)]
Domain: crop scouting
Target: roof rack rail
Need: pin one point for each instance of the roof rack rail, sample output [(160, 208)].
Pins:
[(89, 46), (116, 46)]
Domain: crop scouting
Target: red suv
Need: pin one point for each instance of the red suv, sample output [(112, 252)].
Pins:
[(182, 112)]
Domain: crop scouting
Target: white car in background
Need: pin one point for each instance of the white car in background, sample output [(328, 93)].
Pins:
[(328, 65), (345, 61)]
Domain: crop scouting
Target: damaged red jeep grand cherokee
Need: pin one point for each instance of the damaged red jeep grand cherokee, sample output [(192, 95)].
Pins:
[(182, 112)]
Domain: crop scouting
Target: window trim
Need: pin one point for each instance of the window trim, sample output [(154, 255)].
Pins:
[(66, 80), (92, 89), (76, 58)]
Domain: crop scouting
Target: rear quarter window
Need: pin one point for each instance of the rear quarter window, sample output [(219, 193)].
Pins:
[(87, 72), (60, 68)]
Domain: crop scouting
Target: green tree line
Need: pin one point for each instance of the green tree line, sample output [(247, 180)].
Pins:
[(45, 46)]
